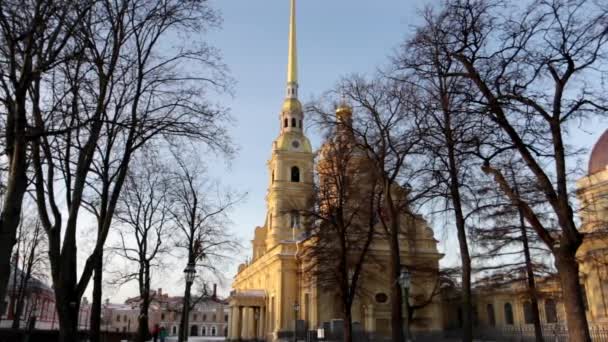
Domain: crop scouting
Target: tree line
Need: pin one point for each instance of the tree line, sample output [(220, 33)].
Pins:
[(470, 121), (89, 91)]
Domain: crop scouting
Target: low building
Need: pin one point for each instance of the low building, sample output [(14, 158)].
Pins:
[(38, 304), (208, 317)]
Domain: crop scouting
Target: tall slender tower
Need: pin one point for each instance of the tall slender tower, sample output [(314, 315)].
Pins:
[(291, 162)]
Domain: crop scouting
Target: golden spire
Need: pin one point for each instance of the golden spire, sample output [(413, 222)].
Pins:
[(292, 64), (291, 102)]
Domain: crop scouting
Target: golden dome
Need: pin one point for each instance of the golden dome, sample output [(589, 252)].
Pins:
[(344, 111), (292, 105)]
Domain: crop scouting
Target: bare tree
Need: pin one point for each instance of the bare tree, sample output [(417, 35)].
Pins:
[(384, 130), (128, 93), (29, 262), (448, 132), (35, 35), (199, 212), (528, 68), (509, 249), (344, 217), (143, 214)]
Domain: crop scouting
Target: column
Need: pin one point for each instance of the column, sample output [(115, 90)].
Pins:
[(250, 324), (230, 324), (239, 327), (370, 320), (244, 323), (261, 323)]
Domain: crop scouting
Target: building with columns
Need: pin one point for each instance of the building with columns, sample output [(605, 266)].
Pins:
[(269, 297)]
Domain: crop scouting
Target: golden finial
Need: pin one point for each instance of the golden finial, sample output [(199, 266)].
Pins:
[(344, 111)]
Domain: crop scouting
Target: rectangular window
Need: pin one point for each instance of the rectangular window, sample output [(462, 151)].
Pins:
[(528, 313)]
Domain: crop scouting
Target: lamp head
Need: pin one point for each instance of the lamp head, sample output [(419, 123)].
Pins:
[(405, 278), (190, 272)]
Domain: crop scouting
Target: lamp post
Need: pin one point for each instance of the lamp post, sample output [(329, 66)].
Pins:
[(190, 274), (405, 282), (296, 309)]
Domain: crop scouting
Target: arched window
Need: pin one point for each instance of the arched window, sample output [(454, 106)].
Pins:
[(213, 331), (204, 332), (293, 122), (214, 318), (295, 220), (194, 317), (550, 311), (300, 123), (295, 174), (491, 317), (508, 314), (528, 319), (194, 330), (286, 122), (204, 318)]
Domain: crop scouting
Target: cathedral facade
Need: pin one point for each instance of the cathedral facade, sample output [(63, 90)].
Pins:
[(270, 300)]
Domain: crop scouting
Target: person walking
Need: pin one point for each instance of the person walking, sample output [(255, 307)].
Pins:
[(163, 334), (155, 332)]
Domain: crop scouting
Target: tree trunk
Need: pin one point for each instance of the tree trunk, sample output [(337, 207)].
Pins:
[(465, 259), (348, 325), (467, 319), (95, 328), (395, 269), (68, 319), (183, 334), (67, 299), (567, 266), (538, 331), (11, 211), (396, 297), (143, 331), (19, 308)]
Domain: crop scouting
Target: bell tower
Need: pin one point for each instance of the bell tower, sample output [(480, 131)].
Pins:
[(291, 163)]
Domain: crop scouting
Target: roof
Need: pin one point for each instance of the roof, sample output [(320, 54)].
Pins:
[(33, 282), (599, 155)]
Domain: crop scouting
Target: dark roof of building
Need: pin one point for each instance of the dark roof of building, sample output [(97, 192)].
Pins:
[(33, 282), (599, 155)]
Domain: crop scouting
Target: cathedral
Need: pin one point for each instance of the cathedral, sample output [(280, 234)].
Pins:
[(269, 299)]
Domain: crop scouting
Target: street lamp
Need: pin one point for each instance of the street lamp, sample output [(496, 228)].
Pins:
[(296, 308), (190, 274), (405, 280)]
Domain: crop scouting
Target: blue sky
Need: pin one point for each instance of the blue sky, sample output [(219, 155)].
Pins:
[(335, 38)]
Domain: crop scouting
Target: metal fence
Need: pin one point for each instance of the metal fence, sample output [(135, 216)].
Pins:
[(551, 333)]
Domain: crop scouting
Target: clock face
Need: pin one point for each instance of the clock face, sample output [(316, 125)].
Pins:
[(295, 144)]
